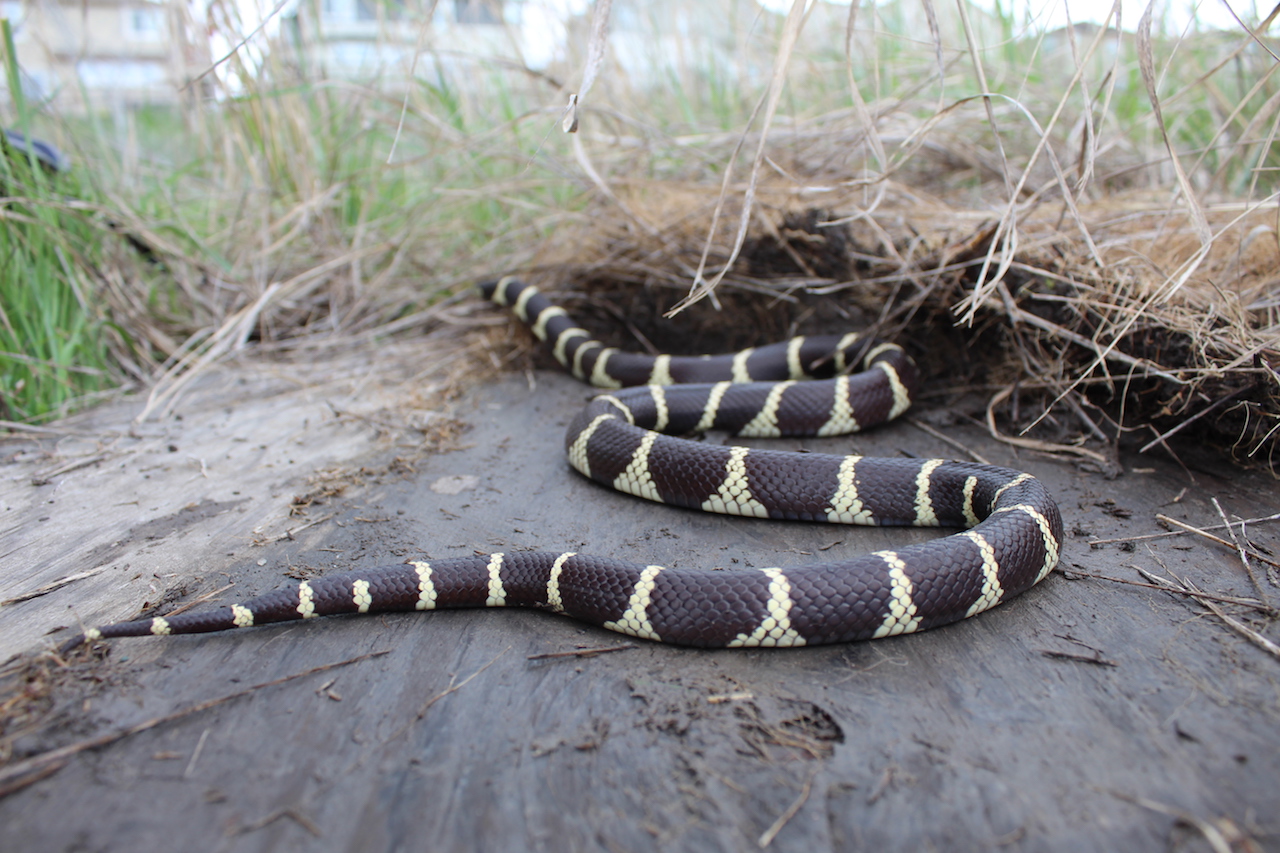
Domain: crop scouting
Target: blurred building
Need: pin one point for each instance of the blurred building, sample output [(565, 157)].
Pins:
[(104, 53), (665, 43), (365, 39)]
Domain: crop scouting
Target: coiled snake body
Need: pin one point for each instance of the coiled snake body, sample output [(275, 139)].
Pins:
[(1012, 542)]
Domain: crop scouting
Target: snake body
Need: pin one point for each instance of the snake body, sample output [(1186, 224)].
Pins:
[(1012, 540)]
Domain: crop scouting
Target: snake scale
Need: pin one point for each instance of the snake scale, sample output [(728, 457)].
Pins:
[(626, 439)]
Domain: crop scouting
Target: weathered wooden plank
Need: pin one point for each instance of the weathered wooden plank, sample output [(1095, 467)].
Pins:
[(967, 737), (162, 502)]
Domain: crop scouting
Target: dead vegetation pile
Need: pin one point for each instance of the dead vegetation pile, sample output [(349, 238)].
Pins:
[(1132, 337)]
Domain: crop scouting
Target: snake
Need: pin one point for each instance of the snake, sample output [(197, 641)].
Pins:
[(640, 437)]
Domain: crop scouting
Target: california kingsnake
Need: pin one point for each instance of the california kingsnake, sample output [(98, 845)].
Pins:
[(1013, 543)]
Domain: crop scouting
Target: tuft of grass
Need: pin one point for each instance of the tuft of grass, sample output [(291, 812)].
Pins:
[(52, 349)]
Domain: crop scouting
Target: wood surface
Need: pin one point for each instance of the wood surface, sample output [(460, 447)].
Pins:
[(1085, 715)]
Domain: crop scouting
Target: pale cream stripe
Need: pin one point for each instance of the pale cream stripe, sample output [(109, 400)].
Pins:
[(553, 583), (1018, 480), (775, 628), (901, 396), (562, 344), (733, 497), (661, 373), (500, 292), (846, 507), (901, 617), (548, 313), (360, 596), (713, 405), (992, 592), (521, 308), (663, 415), (842, 420), (970, 516), (497, 594), (635, 480), (578, 356), (306, 603), (578, 450), (1046, 533), (925, 514), (847, 342), (426, 586), (635, 619), (600, 370), (795, 370), (765, 424)]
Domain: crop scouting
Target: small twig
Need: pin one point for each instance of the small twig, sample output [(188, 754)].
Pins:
[(1196, 530), (1240, 549), (581, 653), (16, 426), (721, 698), (288, 534), (52, 585), (946, 439), (1109, 353), (1080, 413), (454, 687), (886, 779), (1200, 414), (1095, 659), (1035, 444), (36, 762), (7, 788), (298, 817), (196, 602), (1168, 533), (1238, 626), (43, 479), (1226, 599), (195, 755), (1188, 588), (772, 832), (1212, 834)]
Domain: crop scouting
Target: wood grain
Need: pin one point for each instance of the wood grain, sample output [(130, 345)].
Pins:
[(463, 738)]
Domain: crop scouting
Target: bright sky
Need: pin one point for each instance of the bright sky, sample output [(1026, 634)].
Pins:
[(1050, 14), (543, 18)]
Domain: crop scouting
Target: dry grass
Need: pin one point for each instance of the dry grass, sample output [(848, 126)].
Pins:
[(1095, 252)]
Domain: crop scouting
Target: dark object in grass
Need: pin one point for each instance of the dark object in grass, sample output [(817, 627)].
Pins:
[(45, 153)]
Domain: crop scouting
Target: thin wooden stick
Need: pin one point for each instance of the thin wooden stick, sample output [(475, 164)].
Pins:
[(769, 834), (581, 653), (45, 589), (946, 439), (1226, 599), (1240, 549), (1212, 538), (1168, 533), (1035, 444), (1188, 588), (454, 687)]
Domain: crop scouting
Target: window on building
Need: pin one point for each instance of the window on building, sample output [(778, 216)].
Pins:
[(477, 11), (372, 10), (143, 23)]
